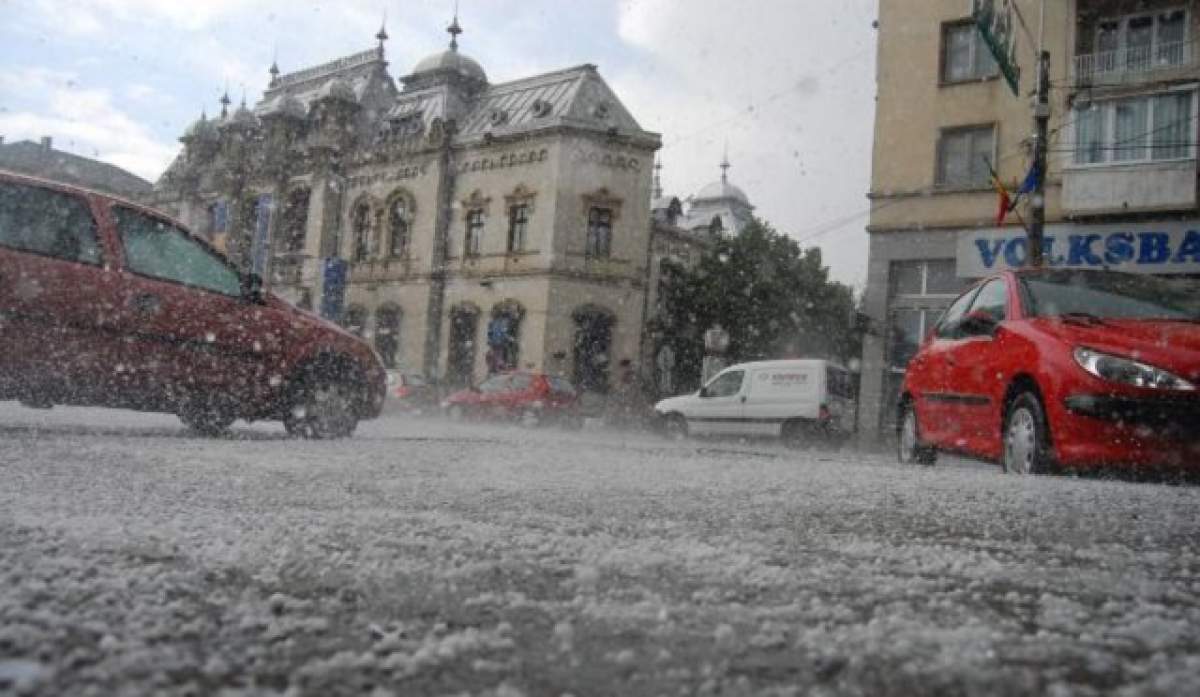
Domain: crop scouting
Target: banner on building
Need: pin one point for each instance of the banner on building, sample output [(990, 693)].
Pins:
[(261, 246), (1152, 248), (333, 287), (995, 22)]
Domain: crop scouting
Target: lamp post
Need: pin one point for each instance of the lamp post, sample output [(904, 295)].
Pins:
[(716, 343)]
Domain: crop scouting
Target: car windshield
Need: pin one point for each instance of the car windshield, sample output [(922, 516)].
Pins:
[(498, 383), (1111, 295)]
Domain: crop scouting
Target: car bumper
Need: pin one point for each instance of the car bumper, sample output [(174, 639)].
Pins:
[(1106, 430)]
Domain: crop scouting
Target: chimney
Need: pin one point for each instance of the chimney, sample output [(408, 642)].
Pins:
[(47, 141)]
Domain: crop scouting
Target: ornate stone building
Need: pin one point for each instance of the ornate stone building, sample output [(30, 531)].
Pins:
[(480, 225)]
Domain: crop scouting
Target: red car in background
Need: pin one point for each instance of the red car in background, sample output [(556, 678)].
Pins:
[(107, 303), (1051, 368), (411, 392), (528, 397)]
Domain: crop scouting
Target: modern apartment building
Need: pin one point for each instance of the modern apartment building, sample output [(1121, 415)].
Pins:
[(1121, 184)]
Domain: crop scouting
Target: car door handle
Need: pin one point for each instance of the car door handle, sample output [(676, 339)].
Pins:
[(146, 304)]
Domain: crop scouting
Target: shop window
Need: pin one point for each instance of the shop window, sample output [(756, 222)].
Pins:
[(387, 334)]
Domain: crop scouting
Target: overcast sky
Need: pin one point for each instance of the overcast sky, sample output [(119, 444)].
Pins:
[(787, 84)]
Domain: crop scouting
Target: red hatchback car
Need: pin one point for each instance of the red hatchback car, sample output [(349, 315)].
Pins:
[(531, 397), (1073, 368), (107, 303)]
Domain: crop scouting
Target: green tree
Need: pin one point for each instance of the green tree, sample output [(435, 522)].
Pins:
[(773, 297)]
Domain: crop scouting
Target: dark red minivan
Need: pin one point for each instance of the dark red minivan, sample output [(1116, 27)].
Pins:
[(1060, 367), (107, 303)]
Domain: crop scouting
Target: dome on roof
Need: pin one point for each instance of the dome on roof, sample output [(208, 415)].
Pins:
[(285, 105), (337, 88), (722, 190), (243, 117), (202, 129), (451, 59)]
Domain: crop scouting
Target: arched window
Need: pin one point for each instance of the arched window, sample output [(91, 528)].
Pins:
[(295, 221), (398, 226), (360, 226), (387, 334), (355, 320)]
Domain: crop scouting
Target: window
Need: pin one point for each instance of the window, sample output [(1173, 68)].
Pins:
[(42, 221), (398, 227), (518, 224), (926, 277), (725, 384), (217, 219), (992, 299), (474, 238), (599, 232), (963, 156), (1134, 129), (496, 383), (295, 221), (355, 320), (965, 56), (160, 250), (387, 334), (361, 226)]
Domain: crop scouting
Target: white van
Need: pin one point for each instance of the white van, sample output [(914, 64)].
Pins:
[(801, 401)]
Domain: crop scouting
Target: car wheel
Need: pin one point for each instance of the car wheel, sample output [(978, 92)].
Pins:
[(206, 416), (1026, 437), (324, 406), (675, 427), (909, 450), (795, 434)]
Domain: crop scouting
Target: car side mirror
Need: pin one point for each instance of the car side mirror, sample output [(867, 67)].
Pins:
[(252, 288), (978, 323), (704, 392)]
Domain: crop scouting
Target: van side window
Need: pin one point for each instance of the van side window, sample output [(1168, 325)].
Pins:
[(47, 222), (160, 250), (839, 383), (726, 385)]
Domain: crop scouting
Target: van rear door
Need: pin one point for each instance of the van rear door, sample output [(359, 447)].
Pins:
[(778, 394)]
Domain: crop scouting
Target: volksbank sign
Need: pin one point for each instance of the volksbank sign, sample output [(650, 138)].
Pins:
[(1158, 248)]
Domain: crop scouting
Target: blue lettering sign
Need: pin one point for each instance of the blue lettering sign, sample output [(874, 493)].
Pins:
[(988, 251), (1155, 247), (1048, 252), (1016, 252), (1118, 248), (1081, 250), (1189, 248)]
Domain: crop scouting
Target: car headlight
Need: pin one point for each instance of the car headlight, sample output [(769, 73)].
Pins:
[(1128, 372)]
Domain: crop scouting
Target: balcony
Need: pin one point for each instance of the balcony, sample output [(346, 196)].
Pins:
[(1129, 188), (1135, 64)]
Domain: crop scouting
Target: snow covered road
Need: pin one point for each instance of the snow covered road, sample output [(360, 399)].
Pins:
[(423, 557)]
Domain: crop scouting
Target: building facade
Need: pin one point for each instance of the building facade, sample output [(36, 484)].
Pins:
[(461, 226), (1121, 185)]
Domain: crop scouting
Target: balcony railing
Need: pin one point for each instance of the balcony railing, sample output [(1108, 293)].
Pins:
[(1130, 62)]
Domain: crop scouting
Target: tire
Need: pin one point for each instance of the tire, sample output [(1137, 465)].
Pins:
[(1026, 437), (909, 449), (324, 404), (675, 427), (206, 415), (795, 434)]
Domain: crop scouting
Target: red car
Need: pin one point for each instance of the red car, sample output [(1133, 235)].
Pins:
[(107, 303), (1046, 368), (529, 397)]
